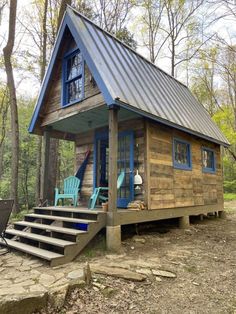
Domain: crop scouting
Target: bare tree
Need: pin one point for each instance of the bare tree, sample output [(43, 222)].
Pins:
[(7, 52), (151, 20)]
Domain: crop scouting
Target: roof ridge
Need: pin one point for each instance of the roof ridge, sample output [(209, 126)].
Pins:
[(125, 45)]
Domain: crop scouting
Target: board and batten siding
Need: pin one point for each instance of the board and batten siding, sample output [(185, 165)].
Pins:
[(85, 142), (172, 188)]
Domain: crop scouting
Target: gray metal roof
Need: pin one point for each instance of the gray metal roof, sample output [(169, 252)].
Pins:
[(138, 84)]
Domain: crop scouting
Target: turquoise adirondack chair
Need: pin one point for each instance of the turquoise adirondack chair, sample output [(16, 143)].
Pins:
[(97, 192), (71, 190)]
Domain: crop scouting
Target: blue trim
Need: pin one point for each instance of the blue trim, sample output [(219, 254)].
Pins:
[(68, 21), (64, 95), (102, 136), (97, 136), (206, 169), (48, 74), (88, 58), (168, 123), (189, 155)]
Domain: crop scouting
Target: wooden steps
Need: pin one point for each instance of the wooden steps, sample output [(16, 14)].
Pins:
[(55, 234), (38, 237), (33, 250), (59, 218), (49, 227)]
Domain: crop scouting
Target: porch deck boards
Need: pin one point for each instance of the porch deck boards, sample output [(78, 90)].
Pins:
[(125, 216)]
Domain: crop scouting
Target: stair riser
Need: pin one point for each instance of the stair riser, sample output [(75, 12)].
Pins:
[(66, 214), (39, 243), (53, 234), (69, 225)]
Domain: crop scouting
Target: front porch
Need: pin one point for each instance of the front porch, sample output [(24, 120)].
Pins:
[(58, 234)]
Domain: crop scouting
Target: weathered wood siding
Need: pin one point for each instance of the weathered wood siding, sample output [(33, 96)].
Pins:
[(52, 108), (170, 187), (86, 141)]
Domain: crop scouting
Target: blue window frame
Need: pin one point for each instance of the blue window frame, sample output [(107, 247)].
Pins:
[(182, 154), (208, 160), (73, 78)]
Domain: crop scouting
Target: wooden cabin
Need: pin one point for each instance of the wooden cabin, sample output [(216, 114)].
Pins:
[(131, 116)]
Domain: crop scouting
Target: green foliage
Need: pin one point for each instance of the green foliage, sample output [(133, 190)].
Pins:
[(230, 186), (230, 196), (126, 37)]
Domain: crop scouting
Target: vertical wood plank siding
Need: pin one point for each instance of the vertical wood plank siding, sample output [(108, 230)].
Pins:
[(170, 187)]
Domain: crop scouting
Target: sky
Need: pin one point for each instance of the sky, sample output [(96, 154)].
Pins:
[(28, 85)]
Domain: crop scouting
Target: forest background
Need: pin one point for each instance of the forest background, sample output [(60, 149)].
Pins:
[(193, 40)]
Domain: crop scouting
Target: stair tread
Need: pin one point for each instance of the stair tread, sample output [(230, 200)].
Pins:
[(50, 227), (60, 218), (72, 210), (32, 250), (40, 238)]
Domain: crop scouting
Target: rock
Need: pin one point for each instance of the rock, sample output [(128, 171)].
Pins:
[(57, 296), (5, 282), (145, 271), (158, 279), (23, 304), (163, 273), (99, 285), (87, 274), (25, 283), (195, 283), (139, 240), (12, 290), (37, 288), (76, 275), (188, 232), (117, 272), (46, 280), (115, 256)]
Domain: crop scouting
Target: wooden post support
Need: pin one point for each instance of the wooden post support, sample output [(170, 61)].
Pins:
[(222, 214), (45, 166), (184, 222), (113, 147), (113, 233)]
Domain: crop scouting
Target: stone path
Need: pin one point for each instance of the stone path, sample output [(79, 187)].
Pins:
[(22, 278)]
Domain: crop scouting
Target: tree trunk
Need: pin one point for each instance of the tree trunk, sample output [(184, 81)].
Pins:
[(43, 64), (62, 11), (7, 51)]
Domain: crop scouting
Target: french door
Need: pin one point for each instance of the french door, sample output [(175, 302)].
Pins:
[(125, 162)]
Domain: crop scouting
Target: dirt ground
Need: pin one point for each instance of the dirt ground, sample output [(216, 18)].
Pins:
[(203, 258)]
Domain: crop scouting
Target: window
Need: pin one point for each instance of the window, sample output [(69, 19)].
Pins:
[(182, 154), (73, 72), (208, 160)]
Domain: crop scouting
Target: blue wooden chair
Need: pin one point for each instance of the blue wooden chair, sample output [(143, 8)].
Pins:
[(97, 192), (71, 190)]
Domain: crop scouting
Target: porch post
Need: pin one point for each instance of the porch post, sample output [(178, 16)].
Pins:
[(113, 231), (45, 167)]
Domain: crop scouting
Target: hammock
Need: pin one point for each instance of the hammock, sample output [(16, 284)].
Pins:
[(80, 172)]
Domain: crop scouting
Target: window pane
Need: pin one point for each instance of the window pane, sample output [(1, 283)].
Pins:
[(208, 159), (181, 153), (74, 66), (74, 90)]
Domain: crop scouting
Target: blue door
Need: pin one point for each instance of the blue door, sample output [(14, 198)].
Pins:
[(125, 162)]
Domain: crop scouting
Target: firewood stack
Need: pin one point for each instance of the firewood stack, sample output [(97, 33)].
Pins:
[(137, 205)]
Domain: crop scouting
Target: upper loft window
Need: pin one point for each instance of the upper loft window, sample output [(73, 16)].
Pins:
[(182, 154), (73, 78), (208, 160)]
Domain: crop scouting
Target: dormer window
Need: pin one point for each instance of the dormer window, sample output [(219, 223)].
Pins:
[(73, 78)]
